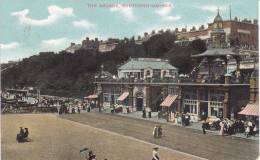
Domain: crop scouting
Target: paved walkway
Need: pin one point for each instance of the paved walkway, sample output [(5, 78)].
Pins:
[(194, 125), (53, 138), (182, 139)]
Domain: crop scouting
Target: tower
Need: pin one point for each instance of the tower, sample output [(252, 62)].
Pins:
[(218, 34)]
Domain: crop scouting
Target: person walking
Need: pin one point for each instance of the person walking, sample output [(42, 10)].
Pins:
[(160, 131), (247, 131), (204, 127), (155, 132), (155, 154), (254, 130), (221, 131)]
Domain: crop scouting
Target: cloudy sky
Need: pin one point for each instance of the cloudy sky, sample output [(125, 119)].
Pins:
[(30, 26)]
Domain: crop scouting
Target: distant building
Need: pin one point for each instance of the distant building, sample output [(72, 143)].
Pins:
[(73, 47), (90, 44), (242, 33), (108, 45)]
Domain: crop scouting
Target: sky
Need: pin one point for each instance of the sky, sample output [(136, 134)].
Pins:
[(28, 27)]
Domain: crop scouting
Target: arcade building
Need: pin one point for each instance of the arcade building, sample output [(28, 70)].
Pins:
[(147, 84)]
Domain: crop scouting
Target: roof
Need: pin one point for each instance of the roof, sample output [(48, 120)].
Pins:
[(216, 52), (250, 110), (143, 63), (218, 18)]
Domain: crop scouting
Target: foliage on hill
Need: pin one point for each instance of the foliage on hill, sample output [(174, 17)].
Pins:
[(67, 74)]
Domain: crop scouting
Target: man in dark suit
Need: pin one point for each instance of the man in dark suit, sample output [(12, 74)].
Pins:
[(204, 127)]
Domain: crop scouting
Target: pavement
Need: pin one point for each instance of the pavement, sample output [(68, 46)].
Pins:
[(182, 139), (54, 138), (60, 137), (193, 125)]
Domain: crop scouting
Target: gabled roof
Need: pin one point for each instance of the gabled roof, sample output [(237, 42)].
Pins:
[(144, 63)]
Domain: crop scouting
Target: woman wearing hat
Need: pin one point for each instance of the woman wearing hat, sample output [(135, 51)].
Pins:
[(155, 154)]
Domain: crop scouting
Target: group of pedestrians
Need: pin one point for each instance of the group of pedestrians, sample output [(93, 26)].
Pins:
[(229, 127)]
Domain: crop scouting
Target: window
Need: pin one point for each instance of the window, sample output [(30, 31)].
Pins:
[(115, 98), (106, 97), (148, 73), (164, 73), (214, 111), (190, 106)]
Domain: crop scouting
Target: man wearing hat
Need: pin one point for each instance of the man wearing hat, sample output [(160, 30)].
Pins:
[(155, 153)]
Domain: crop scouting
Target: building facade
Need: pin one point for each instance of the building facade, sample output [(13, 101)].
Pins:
[(144, 68), (242, 33)]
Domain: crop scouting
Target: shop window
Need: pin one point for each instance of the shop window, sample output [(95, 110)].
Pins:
[(214, 111), (220, 113), (187, 109)]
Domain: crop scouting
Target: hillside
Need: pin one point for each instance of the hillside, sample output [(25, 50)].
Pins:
[(71, 75)]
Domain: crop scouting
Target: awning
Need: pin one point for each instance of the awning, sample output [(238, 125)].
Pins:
[(93, 96), (169, 100), (250, 110), (123, 96)]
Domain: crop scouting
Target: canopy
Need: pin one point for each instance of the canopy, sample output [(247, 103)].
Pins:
[(169, 100), (215, 53), (92, 96), (250, 110), (123, 96)]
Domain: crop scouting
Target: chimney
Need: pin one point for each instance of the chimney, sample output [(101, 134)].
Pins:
[(176, 30), (96, 39), (145, 34), (255, 21), (72, 44), (87, 38)]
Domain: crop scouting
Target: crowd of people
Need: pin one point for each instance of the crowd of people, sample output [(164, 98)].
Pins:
[(230, 127), (66, 105)]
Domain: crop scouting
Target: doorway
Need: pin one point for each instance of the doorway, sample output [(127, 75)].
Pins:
[(203, 110), (139, 104)]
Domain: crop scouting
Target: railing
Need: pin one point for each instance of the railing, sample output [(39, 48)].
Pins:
[(148, 80)]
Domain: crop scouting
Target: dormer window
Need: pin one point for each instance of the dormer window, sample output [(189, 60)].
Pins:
[(164, 73), (148, 73)]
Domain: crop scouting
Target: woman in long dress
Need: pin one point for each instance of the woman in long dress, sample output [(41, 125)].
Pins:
[(155, 132), (221, 131), (155, 154)]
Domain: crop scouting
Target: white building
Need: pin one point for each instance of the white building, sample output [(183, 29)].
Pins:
[(143, 68)]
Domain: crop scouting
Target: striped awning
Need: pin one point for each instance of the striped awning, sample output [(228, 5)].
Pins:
[(92, 96), (123, 96), (167, 102), (250, 110)]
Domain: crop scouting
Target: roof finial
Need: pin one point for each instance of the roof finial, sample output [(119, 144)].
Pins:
[(218, 10)]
